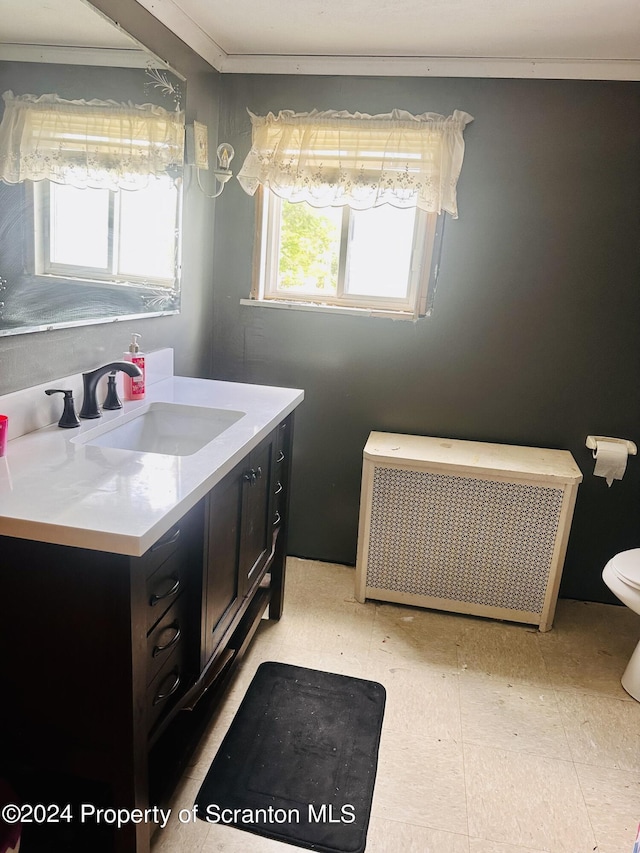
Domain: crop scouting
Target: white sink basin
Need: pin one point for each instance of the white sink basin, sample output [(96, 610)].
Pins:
[(169, 428)]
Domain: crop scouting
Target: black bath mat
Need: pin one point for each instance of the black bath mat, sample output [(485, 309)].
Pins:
[(298, 763)]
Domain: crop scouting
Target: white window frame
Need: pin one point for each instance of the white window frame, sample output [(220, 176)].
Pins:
[(423, 270), (44, 266)]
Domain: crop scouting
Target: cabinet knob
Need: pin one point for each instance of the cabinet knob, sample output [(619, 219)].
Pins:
[(252, 475)]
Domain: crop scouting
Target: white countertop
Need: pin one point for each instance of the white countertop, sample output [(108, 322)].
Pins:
[(55, 490)]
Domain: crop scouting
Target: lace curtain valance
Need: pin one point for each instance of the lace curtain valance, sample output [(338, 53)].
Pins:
[(338, 158), (102, 144)]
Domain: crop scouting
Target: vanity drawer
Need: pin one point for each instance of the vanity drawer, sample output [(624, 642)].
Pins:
[(163, 548), (166, 636), (167, 686), (164, 586)]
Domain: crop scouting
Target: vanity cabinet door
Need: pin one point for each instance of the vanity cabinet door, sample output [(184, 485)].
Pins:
[(222, 544), (239, 542), (255, 530)]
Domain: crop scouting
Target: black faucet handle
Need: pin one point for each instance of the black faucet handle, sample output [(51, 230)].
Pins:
[(69, 417), (112, 401)]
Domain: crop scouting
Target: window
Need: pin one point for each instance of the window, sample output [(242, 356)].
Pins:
[(106, 206), (350, 206), (378, 259), (106, 235)]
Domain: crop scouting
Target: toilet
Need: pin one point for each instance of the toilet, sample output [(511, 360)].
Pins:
[(622, 576)]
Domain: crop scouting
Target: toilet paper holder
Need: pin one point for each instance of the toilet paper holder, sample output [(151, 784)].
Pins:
[(592, 443)]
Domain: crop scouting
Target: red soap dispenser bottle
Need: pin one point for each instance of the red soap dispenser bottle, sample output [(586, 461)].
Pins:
[(134, 386)]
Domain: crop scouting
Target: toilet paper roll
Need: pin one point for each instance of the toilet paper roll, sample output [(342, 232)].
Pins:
[(611, 460)]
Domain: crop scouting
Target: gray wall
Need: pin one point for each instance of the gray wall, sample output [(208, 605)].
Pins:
[(30, 359), (535, 339)]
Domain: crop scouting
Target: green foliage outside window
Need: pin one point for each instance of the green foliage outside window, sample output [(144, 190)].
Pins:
[(309, 248)]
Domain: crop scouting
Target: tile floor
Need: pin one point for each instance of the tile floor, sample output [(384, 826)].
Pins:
[(496, 739)]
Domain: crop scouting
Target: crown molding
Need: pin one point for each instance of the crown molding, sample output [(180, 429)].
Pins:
[(182, 25), (172, 16), (429, 66), (102, 56)]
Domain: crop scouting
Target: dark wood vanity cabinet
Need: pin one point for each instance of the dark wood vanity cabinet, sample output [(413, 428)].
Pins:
[(245, 517), (112, 666)]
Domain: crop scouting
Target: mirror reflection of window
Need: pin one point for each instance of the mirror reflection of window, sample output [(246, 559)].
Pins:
[(51, 65), (97, 234), (148, 232), (77, 222)]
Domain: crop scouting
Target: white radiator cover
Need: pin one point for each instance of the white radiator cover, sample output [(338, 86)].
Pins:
[(465, 526)]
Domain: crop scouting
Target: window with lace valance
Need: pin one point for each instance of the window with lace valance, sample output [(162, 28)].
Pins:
[(102, 178), (349, 207), (337, 158)]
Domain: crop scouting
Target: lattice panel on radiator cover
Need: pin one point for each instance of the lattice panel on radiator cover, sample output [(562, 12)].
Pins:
[(461, 538)]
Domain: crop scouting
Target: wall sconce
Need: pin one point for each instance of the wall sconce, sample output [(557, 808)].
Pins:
[(197, 145), (225, 154)]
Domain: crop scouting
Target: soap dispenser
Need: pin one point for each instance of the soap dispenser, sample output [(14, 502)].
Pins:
[(134, 386)]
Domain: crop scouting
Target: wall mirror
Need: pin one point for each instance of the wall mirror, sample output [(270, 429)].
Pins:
[(72, 252)]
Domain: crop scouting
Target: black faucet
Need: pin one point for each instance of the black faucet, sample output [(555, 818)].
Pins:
[(90, 379)]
